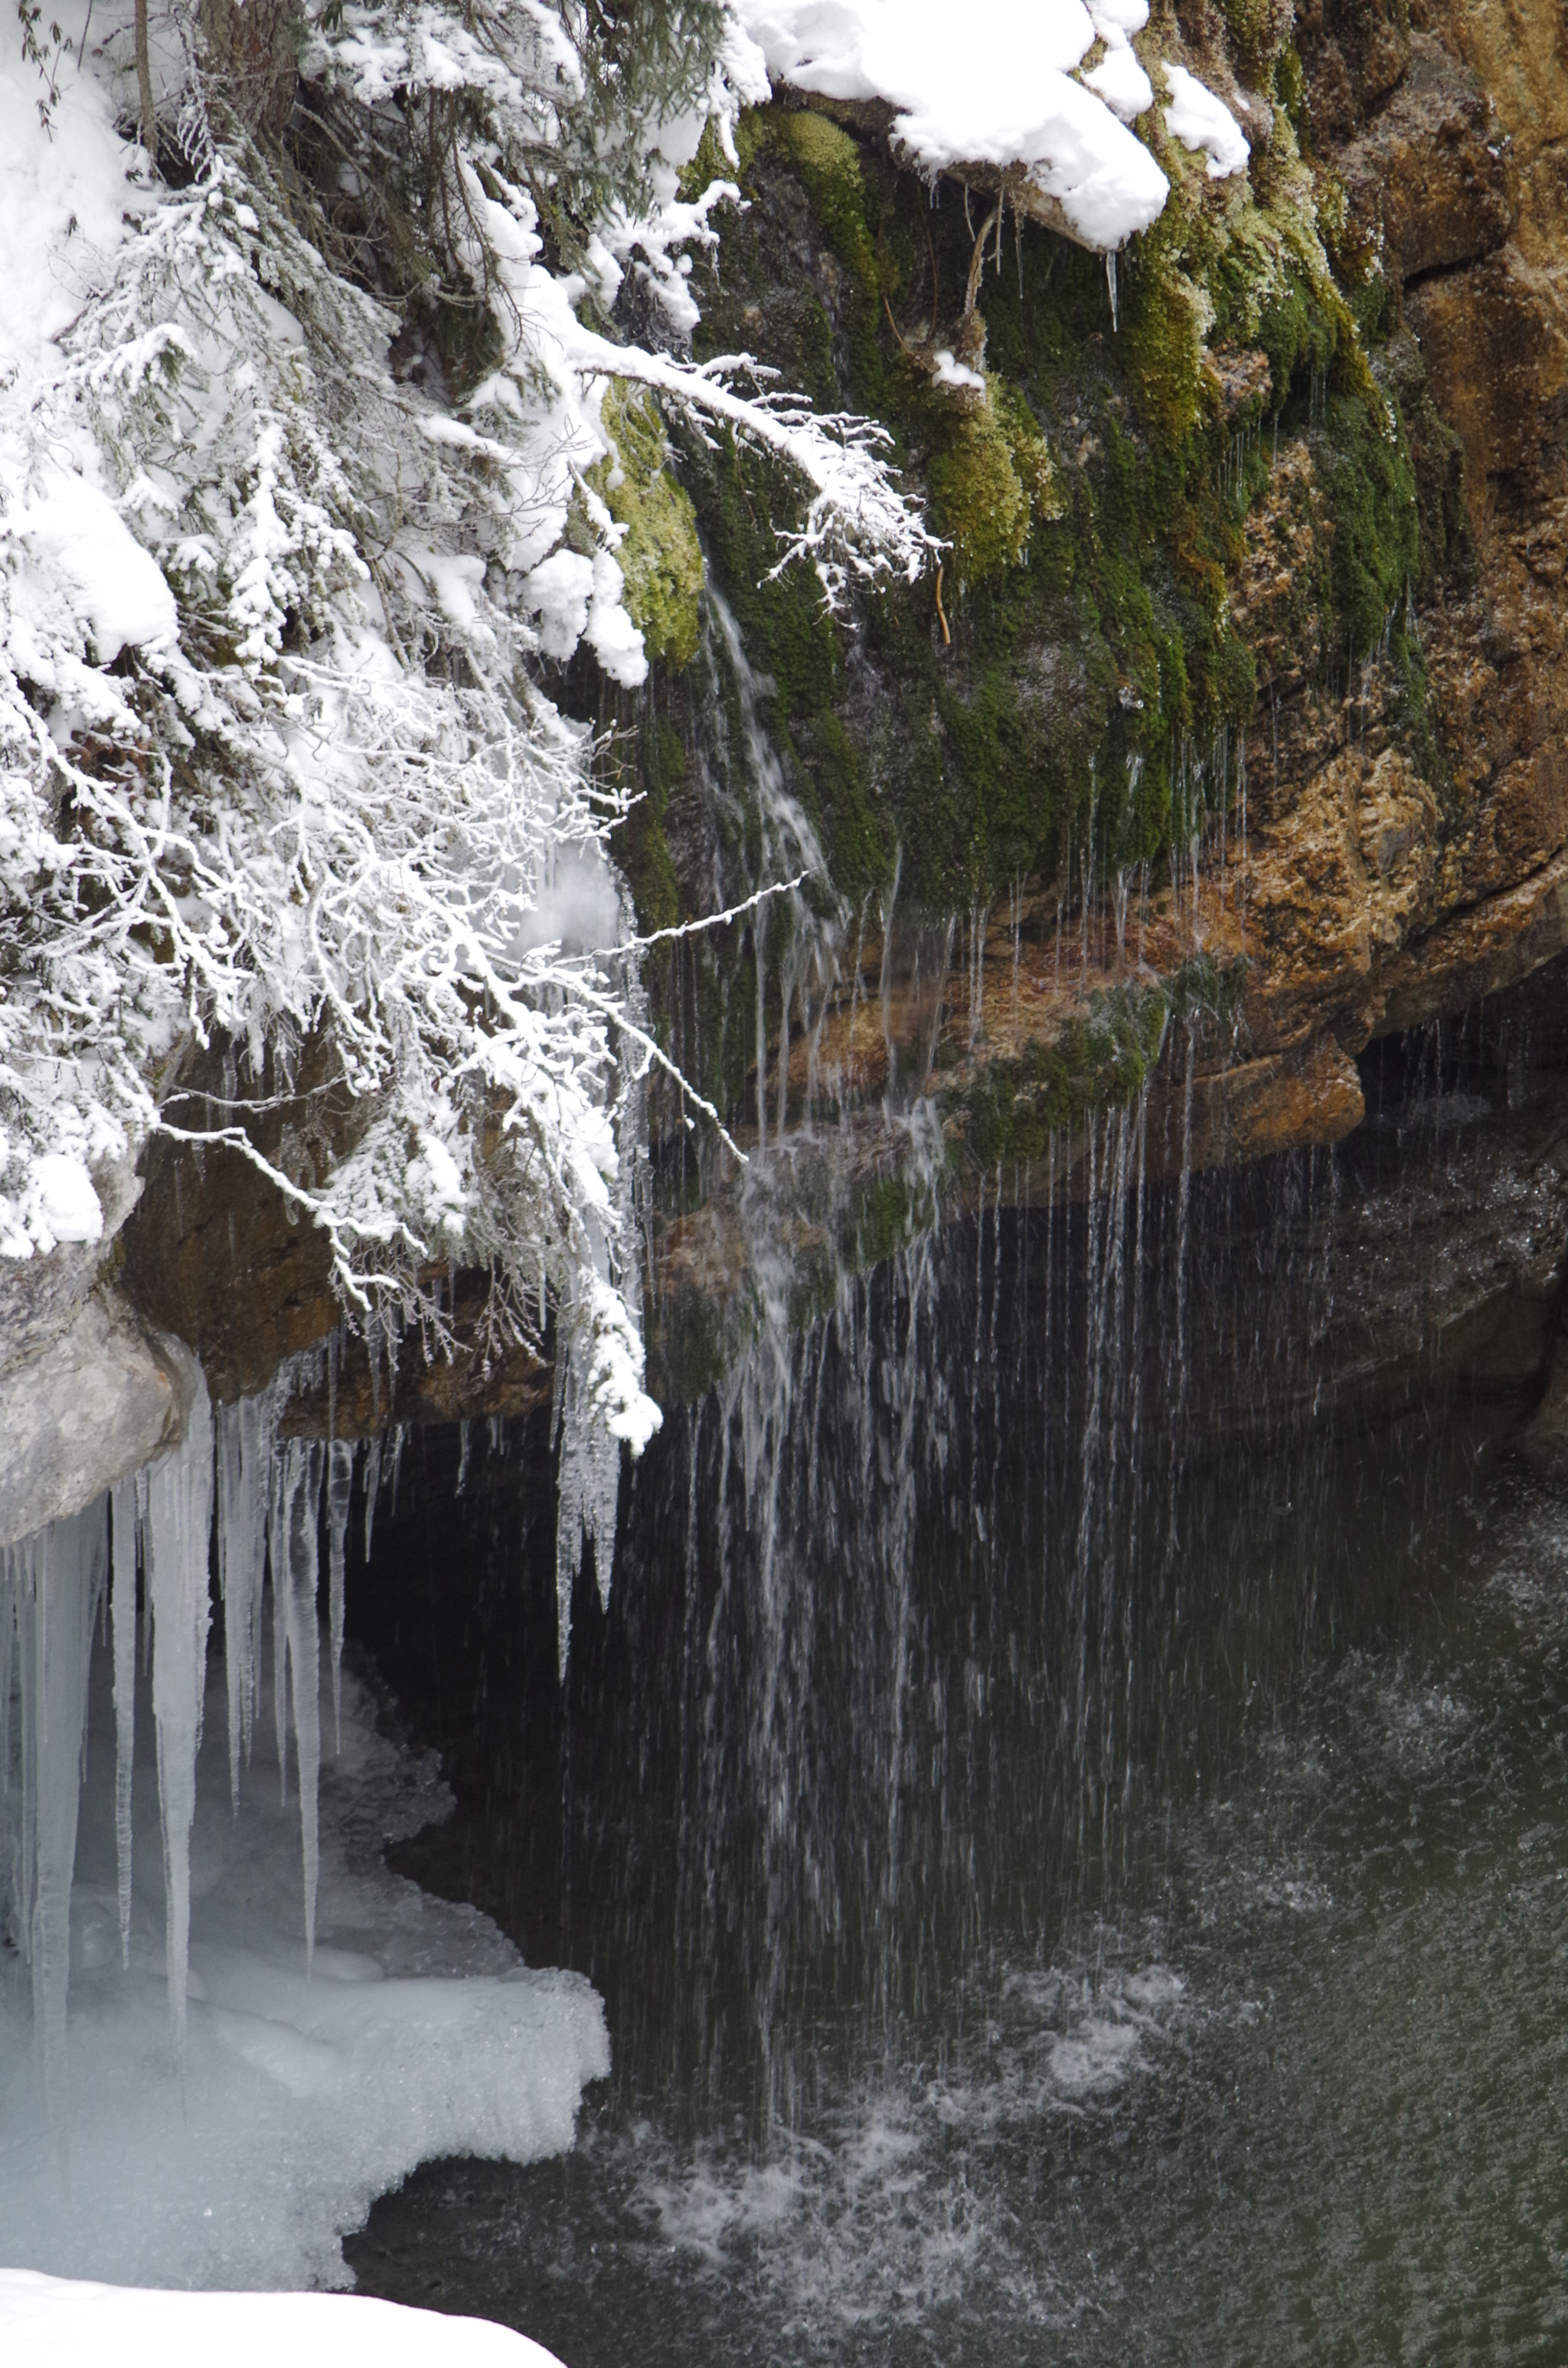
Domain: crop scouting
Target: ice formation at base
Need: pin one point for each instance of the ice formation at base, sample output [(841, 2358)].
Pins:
[(267, 2029), (52, 2323)]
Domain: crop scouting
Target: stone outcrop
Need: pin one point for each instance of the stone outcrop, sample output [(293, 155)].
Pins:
[(96, 1403)]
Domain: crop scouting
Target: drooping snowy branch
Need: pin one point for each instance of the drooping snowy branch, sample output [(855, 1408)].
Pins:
[(275, 771)]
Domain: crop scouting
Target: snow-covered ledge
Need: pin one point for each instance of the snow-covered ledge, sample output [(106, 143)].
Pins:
[(1034, 97)]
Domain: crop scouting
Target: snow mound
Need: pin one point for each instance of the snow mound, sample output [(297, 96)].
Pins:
[(51, 2323), (1203, 123), (998, 92)]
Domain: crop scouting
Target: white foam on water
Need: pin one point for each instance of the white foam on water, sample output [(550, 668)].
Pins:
[(897, 2204)]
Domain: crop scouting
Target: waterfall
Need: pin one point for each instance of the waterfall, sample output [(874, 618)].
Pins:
[(940, 1509), (764, 838)]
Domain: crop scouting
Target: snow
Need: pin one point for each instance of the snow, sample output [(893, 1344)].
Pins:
[(55, 2323), (63, 197), (67, 1205), (1122, 81), (309, 2081), (1203, 123), (1001, 92), (1117, 20), (71, 533), (947, 372)]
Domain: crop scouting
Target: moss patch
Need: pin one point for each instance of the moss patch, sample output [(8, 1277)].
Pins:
[(1012, 1111), (660, 555), (1094, 498)]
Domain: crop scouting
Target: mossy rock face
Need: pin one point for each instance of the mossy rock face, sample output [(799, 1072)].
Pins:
[(1091, 495), (1011, 1113), (660, 555), (1080, 666)]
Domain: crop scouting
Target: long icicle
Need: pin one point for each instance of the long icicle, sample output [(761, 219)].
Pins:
[(245, 1471), (177, 1544), (122, 1612), (7, 1649), (278, 1549), (339, 1495), (62, 1574), (303, 1466)]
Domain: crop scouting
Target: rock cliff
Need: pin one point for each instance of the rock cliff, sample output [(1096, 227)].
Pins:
[(1230, 742)]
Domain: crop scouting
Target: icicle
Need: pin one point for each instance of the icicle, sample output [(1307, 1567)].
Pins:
[(177, 1544), (244, 1465), (1110, 283), (123, 1613), (303, 1461), (21, 1586), (588, 1480), (278, 1548), (57, 1577), (339, 1494), (7, 1640), (372, 1487)]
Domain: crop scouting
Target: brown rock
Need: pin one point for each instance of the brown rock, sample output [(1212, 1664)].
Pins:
[(1427, 179), (1493, 946), (1287, 1101), (215, 1254)]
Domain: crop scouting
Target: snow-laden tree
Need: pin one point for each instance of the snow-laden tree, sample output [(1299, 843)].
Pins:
[(296, 423)]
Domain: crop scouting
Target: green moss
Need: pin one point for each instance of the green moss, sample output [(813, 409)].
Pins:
[(641, 847), (1094, 501), (1257, 29), (1167, 314), (1206, 996), (991, 478), (1014, 1109), (660, 555), (693, 1341), (979, 502), (851, 821), (885, 1216), (827, 163), (1365, 464)]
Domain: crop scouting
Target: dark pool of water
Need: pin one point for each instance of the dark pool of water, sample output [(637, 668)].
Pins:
[(1054, 1901)]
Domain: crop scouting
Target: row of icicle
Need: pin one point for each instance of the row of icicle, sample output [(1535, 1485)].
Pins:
[(54, 1589)]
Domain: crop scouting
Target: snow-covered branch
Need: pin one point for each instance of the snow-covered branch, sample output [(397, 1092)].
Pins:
[(276, 768)]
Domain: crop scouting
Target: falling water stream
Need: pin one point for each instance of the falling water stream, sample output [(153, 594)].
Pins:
[(1074, 1843)]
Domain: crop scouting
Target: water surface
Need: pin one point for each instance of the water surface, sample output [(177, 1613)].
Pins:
[(1056, 1898)]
